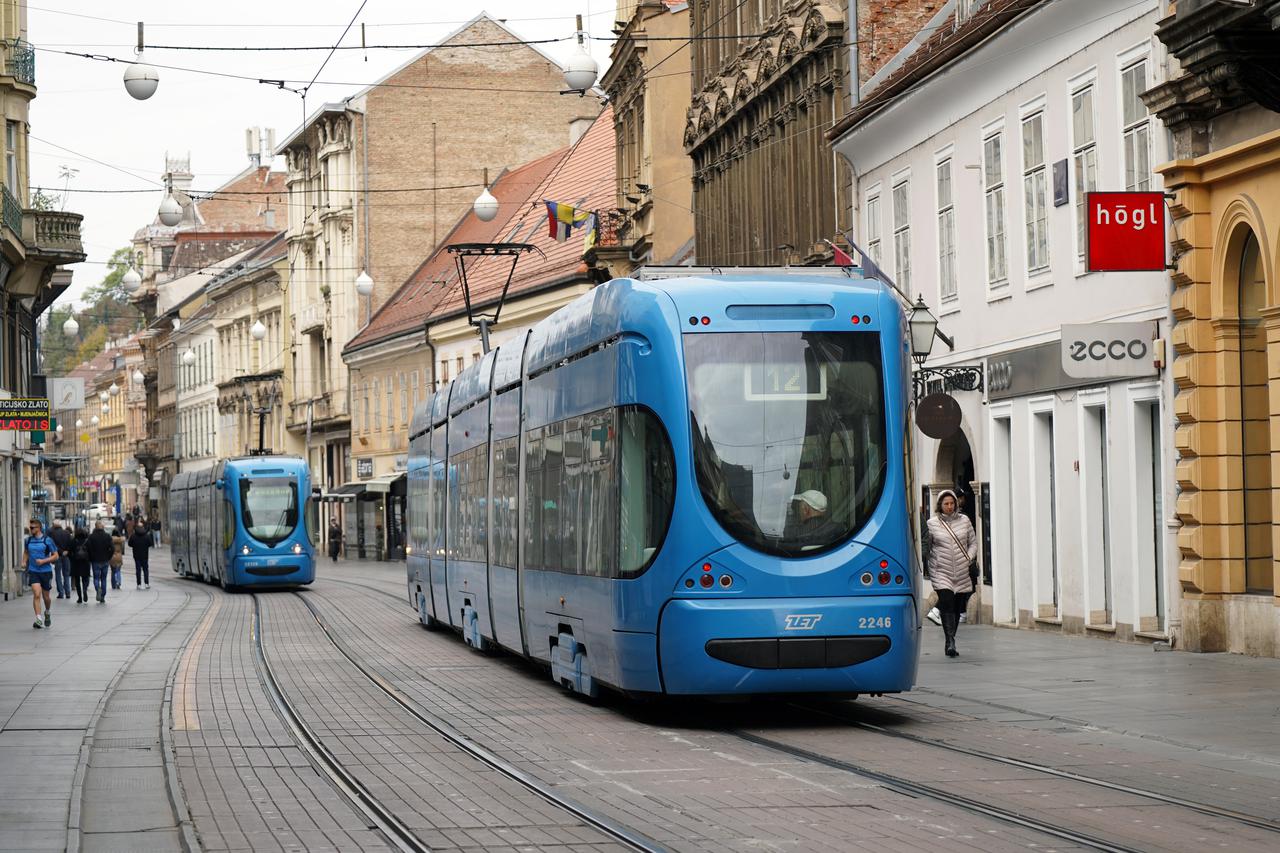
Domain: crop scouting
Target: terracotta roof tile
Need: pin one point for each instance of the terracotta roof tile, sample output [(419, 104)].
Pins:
[(582, 175)]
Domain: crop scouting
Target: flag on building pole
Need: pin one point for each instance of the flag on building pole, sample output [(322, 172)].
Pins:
[(871, 269), (593, 232), (563, 218)]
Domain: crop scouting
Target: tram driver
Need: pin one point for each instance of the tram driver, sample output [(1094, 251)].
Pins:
[(811, 513)]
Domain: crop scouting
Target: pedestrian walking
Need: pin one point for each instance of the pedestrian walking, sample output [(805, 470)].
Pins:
[(80, 565), (155, 530), (101, 550), (117, 558), (953, 547), (335, 540), (62, 569), (140, 543), (39, 554)]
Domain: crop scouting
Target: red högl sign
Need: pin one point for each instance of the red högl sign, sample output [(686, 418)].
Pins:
[(1126, 231)]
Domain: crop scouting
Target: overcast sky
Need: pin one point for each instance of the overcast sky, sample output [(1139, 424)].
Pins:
[(82, 106)]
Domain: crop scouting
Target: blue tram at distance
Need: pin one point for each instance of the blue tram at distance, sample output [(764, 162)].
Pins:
[(245, 522), (681, 485)]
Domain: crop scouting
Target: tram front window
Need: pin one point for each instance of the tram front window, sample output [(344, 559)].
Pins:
[(788, 434), (270, 507)]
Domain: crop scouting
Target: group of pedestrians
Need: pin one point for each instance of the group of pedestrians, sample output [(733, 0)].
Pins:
[(62, 560)]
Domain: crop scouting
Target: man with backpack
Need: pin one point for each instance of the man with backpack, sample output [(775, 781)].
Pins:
[(39, 554)]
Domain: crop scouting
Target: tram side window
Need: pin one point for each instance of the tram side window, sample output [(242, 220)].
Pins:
[(599, 497), (646, 483), (570, 558), (506, 481), (313, 520), (228, 525), (533, 528), (552, 496)]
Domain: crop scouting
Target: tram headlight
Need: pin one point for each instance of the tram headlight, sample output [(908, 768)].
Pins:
[(245, 550), (297, 548)]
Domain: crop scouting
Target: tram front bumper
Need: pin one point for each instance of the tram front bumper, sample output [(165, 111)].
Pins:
[(853, 644), (263, 567)]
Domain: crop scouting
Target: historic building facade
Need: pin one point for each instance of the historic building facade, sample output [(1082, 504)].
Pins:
[(970, 194), (367, 179), (653, 220), (1222, 104), (34, 241)]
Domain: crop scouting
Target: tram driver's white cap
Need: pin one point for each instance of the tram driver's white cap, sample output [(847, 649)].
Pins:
[(816, 500)]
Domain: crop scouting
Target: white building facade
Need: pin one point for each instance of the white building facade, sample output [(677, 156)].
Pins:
[(197, 393), (970, 181)]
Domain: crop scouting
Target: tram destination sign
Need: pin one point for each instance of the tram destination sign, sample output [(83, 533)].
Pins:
[(24, 414), (1126, 231)]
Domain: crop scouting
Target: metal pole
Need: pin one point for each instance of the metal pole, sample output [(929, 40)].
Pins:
[(484, 334)]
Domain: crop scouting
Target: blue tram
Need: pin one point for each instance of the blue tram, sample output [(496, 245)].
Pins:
[(250, 521), (690, 485)]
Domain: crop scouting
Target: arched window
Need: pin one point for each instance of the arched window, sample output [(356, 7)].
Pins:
[(1254, 419)]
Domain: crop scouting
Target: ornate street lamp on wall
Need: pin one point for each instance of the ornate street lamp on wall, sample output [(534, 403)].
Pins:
[(923, 328)]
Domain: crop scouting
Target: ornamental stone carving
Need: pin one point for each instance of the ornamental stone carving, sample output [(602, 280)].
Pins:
[(801, 29)]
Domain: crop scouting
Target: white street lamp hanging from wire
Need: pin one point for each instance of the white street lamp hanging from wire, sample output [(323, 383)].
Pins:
[(485, 205), (70, 328), (258, 330), (581, 70), (140, 79), (364, 283), (137, 376), (131, 281), (170, 212), (114, 389)]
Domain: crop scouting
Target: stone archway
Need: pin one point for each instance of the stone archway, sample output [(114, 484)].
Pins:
[(953, 468)]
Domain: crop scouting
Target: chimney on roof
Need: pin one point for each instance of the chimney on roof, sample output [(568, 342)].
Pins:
[(578, 128)]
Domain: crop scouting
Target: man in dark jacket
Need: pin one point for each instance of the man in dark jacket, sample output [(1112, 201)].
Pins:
[(62, 537), (140, 542), (100, 551)]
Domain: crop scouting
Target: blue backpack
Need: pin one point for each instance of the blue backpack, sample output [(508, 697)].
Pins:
[(49, 549)]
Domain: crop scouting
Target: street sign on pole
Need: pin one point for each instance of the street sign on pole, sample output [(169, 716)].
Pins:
[(1126, 231)]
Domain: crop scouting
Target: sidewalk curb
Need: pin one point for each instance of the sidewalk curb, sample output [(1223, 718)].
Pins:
[(74, 830), (86, 744), (178, 800)]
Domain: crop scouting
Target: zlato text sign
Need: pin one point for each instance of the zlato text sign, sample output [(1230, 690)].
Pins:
[(24, 413), (1108, 350), (1126, 231)]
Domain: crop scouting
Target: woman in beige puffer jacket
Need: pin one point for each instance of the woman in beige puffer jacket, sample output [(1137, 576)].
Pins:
[(953, 545)]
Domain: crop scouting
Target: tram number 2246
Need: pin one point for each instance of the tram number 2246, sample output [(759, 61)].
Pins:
[(875, 621)]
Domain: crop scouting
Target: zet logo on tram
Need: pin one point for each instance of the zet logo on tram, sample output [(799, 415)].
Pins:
[(802, 621)]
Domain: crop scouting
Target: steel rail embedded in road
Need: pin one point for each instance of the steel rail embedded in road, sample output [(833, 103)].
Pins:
[(1202, 808), (608, 826), (915, 789), (381, 817)]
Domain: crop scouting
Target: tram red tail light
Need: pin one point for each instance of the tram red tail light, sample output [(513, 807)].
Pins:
[(707, 581), (884, 564), (706, 321), (706, 567), (855, 319), (884, 578)]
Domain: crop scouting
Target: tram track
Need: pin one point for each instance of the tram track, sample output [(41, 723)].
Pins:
[(1010, 816), (1202, 808), (379, 813)]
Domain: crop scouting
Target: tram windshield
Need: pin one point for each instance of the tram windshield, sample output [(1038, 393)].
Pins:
[(270, 507), (788, 434)]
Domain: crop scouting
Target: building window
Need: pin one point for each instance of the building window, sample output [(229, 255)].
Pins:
[(946, 233), (11, 156), (391, 401), (993, 189), (1085, 157), (902, 233), (873, 228), (1137, 150), (1035, 189), (377, 405)]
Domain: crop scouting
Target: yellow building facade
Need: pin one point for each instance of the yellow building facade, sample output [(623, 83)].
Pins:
[(1223, 110)]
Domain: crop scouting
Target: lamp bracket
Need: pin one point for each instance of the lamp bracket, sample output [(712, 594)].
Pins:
[(956, 377)]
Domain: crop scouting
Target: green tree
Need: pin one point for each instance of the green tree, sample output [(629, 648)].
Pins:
[(106, 313)]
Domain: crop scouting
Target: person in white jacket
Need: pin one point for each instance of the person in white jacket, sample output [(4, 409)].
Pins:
[(953, 546)]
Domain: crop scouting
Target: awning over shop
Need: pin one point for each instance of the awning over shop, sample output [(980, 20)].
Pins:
[(377, 485), (337, 497)]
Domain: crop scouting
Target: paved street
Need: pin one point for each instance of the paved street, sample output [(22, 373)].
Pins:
[(148, 723)]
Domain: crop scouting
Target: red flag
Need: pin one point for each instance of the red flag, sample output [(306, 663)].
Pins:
[(842, 258)]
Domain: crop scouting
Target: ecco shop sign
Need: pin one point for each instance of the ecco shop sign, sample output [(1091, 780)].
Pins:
[(1102, 350), (24, 413), (1126, 231)]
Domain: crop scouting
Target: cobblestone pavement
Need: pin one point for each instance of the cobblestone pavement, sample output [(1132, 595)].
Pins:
[(145, 724), (689, 787)]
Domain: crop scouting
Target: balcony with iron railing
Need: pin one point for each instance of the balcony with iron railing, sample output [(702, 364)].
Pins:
[(20, 61), (12, 212)]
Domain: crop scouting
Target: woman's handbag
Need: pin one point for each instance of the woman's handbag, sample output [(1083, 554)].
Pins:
[(973, 564)]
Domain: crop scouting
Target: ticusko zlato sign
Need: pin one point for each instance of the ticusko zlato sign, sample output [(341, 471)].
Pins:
[(1126, 231), (24, 413)]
